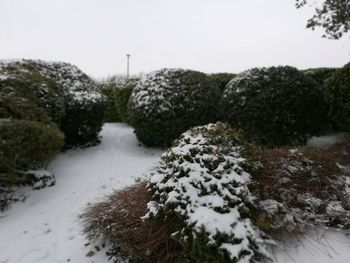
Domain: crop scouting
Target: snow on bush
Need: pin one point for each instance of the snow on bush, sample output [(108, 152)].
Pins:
[(302, 187), (274, 106), (70, 97), (202, 181), (338, 98), (167, 102)]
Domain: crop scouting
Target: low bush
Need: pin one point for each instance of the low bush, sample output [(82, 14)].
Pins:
[(117, 224), (197, 205), (302, 187), (274, 106), (26, 145), (167, 102), (338, 98)]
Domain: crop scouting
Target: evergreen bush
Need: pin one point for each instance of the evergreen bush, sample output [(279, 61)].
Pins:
[(274, 106), (167, 102), (26, 145), (202, 181), (338, 98), (69, 96)]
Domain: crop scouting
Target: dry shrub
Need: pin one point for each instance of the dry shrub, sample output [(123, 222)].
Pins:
[(302, 187), (117, 221)]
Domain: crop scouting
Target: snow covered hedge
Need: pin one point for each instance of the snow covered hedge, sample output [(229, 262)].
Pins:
[(274, 106), (338, 98), (26, 145), (167, 102), (202, 181), (70, 98)]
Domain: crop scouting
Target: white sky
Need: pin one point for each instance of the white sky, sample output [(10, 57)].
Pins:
[(206, 35)]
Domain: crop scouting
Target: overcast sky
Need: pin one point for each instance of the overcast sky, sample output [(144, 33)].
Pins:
[(206, 35)]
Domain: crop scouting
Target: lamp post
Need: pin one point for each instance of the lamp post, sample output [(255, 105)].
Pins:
[(127, 66)]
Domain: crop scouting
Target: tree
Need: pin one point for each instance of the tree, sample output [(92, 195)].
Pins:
[(332, 15)]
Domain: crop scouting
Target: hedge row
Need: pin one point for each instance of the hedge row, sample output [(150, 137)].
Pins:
[(274, 106)]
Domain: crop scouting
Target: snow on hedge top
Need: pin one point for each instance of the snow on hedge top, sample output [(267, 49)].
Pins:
[(202, 179), (166, 89), (75, 83)]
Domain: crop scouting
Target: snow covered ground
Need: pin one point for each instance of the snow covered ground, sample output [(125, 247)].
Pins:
[(45, 228)]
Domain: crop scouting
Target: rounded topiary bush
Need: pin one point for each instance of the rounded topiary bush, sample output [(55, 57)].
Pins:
[(26, 145), (274, 106), (202, 181), (70, 98), (338, 98), (167, 102)]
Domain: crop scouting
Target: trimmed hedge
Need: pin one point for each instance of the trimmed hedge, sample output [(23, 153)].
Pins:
[(167, 102), (26, 145), (122, 95), (118, 98), (70, 98), (275, 106), (337, 88)]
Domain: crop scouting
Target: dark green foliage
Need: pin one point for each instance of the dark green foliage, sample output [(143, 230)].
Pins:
[(111, 114), (122, 95), (275, 106), (320, 75), (82, 123), (167, 102), (31, 96), (117, 99), (221, 79), (338, 98), (26, 145)]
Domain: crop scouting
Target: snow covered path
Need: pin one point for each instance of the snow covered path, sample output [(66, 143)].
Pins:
[(45, 228)]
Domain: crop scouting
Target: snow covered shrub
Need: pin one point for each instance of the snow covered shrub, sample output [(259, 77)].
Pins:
[(302, 187), (69, 96), (202, 181), (26, 145), (338, 98), (167, 102), (274, 106)]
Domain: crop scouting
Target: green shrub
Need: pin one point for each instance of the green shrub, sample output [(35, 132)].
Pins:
[(167, 102), (70, 98), (122, 95), (202, 182), (26, 145), (31, 96), (221, 79), (109, 91), (320, 75), (338, 98), (274, 106)]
